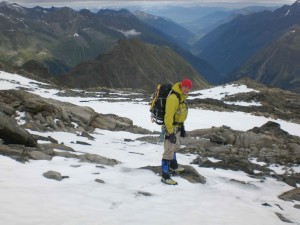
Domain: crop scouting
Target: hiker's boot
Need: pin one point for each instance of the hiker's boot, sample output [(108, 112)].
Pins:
[(165, 178), (165, 173), (168, 181), (174, 169)]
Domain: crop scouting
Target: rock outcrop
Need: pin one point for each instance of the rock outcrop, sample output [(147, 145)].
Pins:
[(21, 111), (274, 102), (12, 133), (251, 151), (42, 114)]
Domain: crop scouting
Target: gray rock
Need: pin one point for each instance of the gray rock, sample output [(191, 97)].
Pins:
[(111, 122), (93, 158), (282, 218), (53, 175), (292, 195), (189, 174), (37, 155), (12, 133), (87, 135), (234, 163), (295, 148), (100, 181), (65, 154), (82, 143), (218, 138), (53, 146), (143, 193), (7, 109), (13, 152)]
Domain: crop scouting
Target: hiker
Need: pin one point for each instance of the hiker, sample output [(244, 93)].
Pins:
[(176, 112)]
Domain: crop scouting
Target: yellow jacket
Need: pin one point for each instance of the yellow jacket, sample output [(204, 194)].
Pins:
[(175, 112)]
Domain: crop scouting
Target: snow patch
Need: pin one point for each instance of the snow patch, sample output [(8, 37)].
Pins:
[(130, 33), (220, 92), (287, 13), (227, 198)]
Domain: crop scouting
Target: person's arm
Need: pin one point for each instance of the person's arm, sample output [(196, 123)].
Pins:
[(171, 106)]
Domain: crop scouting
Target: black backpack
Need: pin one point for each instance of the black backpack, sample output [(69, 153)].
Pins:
[(158, 103)]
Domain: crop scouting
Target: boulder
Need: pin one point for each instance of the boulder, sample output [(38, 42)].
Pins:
[(14, 153), (12, 133), (38, 155), (233, 163), (111, 122), (292, 195), (53, 175), (93, 158), (190, 174), (7, 109)]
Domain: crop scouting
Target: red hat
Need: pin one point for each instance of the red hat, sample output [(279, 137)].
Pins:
[(186, 83)]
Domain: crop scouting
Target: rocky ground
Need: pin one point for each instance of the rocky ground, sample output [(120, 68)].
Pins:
[(235, 150), (275, 103)]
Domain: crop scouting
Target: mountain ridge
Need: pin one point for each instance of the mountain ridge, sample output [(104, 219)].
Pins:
[(64, 38), (133, 64), (230, 45), (277, 64)]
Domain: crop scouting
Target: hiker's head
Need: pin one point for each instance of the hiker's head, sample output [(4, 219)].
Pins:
[(186, 86)]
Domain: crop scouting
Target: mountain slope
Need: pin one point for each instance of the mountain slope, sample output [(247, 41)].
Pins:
[(181, 35), (180, 13), (133, 64), (230, 45), (57, 34), (207, 23), (125, 22), (277, 64), (61, 38), (63, 34)]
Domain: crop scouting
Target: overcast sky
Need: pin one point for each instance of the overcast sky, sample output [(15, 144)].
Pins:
[(105, 3)]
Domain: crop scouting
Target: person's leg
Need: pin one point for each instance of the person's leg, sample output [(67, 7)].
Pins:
[(169, 149), (173, 162), (165, 173), (173, 168), (166, 159)]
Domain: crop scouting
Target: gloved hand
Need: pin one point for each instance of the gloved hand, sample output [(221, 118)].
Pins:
[(172, 138), (182, 132)]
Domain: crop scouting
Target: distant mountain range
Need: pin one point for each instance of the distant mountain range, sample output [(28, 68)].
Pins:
[(133, 64), (55, 34), (232, 43), (277, 64), (181, 35), (80, 48), (181, 14), (207, 23), (58, 39)]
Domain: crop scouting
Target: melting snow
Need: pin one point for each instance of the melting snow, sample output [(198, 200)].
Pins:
[(28, 198)]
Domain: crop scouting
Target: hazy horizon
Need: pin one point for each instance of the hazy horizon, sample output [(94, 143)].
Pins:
[(129, 3)]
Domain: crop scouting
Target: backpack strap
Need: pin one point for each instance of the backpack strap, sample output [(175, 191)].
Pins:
[(177, 95)]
